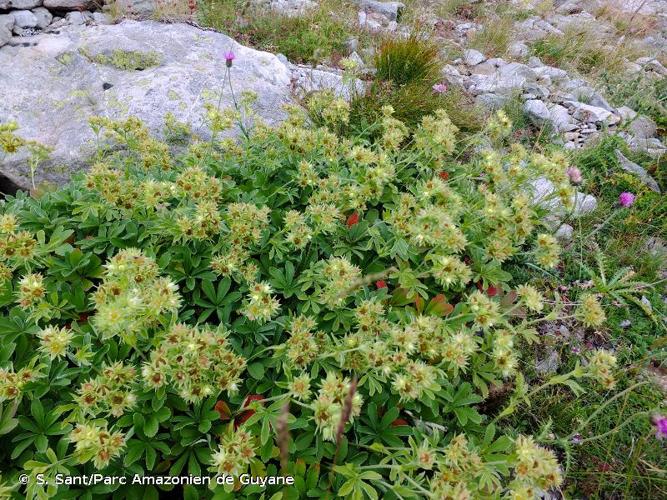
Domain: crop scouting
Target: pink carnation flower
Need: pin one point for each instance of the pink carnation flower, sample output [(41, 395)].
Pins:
[(439, 88), (660, 423), (626, 199), (575, 175)]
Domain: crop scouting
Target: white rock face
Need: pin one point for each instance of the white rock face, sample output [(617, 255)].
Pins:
[(473, 57), (43, 16), (24, 19), (51, 88), (19, 4)]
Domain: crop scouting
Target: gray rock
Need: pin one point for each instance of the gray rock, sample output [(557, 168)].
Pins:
[(131, 8), (600, 102), (357, 59), (561, 119), (101, 18), (652, 64), (306, 80), (352, 44), (518, 49), (52, 88), (67, 4), (537, 111), (633, 168), (472, 57), (5, 35), (626, 113), (564, 233), (534, 28), (643, 127), (7, 21), (491, 101), (390, 10), (24, 19), (534, 62), (19, 4), (483, 69), (590, 114), (43, 16), (75, 18), (544, 195)]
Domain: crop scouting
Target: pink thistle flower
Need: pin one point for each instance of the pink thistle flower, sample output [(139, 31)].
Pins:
[(229, 58), (575, 175), (440, 88), (660, 423), (626, 199)]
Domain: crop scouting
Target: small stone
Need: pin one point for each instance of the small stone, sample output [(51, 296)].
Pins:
[(643, 127), (472, 57), (7, 20), (633, 168), (626, 113), (571, 136), (357, 59), (43, 16), (101, 18), (67, 4), (483, 69), (589, 114), (352, 44), (5, 35), (561, 119), (537, 111), (390, 10), (20, 4), (518, 49), (626, 323), (75, 18), (534, 62), (24, 19), (564, 233)]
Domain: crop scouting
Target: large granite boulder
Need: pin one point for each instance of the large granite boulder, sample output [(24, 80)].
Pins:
[(53, 86)]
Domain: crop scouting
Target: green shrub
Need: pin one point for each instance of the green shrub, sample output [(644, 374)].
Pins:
[(298, 304)]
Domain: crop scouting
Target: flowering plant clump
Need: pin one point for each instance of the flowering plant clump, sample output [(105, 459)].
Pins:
[(303, 304)]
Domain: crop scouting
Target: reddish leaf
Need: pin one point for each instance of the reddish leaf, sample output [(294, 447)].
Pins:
[(444, 175), (352, 219), (439, 306), (419, 304), (223, 410), (398, 422), (381, 284)]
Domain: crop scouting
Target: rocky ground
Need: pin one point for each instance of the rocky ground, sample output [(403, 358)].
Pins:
[(89, 65)]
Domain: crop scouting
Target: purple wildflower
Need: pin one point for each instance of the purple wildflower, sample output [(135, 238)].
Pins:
[(575, 175), (440, 88), (229, 58), (660, 423), (626, 199)]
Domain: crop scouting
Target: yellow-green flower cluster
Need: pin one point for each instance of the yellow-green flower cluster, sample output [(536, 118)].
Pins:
[(197, 362), (132, 296), (261, 305), (590, 312), (436, 136), (600, 367), (450, 271), (55, 342), (530, 297), (536, 468), (547, 250), (15, 246), (329, 407), (504, 355), (9, 141), (31, 290), (338, 276), (485, 311), (457, 470), (95, 442), (303, 346), (110, 393), (12, 383), (234, 454)]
